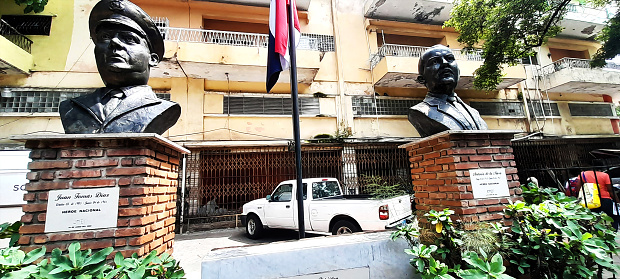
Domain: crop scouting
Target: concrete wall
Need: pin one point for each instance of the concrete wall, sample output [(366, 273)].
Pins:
[(371, 255)]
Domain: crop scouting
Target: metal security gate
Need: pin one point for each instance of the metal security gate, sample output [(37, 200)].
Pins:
[(220, 180), (553, 161)]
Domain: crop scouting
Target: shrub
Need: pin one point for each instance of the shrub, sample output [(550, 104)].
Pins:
[(14, 263), (552, 236)]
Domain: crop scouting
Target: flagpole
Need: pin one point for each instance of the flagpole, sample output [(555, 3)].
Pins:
[(296, 133)]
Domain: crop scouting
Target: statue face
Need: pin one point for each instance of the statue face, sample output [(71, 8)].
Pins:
[(123, 56), (441, 73)]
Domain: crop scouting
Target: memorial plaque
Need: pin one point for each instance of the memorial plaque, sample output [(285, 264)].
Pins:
[(82, 209), (353, 273), (489, 183)]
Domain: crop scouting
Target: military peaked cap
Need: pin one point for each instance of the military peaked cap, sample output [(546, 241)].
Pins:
[(126, 13)]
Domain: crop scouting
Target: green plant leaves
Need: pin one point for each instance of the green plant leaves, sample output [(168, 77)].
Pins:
[(554, 237)]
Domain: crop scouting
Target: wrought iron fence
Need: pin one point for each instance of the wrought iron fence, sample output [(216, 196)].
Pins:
[(568, 63), (306, 41), (417, 51), (14, 36), (553, 161), (220, 180)]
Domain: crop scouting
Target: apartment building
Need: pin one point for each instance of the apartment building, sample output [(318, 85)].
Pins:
[(357, 64)]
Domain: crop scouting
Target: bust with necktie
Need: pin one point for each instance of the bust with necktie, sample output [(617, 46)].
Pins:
[(442, 109), (127, 44)]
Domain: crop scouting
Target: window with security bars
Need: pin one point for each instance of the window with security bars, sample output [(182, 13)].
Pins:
[(323, 43), (382, 106), (44, 100), (269, 105), (604, 110), (30, 24), (537, 108), (499, 108), (162, 94), (36, 100)]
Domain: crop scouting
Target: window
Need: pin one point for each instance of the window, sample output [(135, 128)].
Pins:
[(284, 193), (325, 189), (499, 108), (385, 38), (162, 23), (531, 60), (537, 108), (162, 94), (39, 100), (604, 110), (269, 105), (30, 24), (34, 100), (382, 106)]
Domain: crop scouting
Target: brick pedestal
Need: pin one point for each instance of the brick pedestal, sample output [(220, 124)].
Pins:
[(144, 167), (440, 167)]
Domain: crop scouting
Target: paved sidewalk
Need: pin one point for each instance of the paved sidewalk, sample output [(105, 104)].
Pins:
[(190, 248)]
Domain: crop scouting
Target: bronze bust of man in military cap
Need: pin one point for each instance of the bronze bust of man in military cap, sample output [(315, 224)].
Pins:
[(127, 45), (442, 109)]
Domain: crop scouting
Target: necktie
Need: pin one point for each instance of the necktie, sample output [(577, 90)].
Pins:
[(114, 99)]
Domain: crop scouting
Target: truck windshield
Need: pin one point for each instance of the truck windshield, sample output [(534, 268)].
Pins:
[(325, 189)]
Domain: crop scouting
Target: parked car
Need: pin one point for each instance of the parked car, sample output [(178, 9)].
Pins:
[(326, 210)]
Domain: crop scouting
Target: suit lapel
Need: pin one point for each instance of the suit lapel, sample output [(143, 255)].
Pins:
[(92, 104), (133, 101), (453, 113)]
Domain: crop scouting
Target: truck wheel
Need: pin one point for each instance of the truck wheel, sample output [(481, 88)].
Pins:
[(344, 227), (254, 227)]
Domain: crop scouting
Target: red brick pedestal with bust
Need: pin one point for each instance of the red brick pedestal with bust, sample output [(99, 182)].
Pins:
[(440, 166), (143, 166)]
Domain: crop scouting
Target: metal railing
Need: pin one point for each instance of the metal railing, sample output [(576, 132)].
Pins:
[(568, 63), (307, 41), (587, 14), (14, 36), (221, 180), (417, 51)]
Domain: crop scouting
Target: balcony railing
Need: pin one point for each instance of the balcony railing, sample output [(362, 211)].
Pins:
[(417, 51), (14, 36), (568, 63), (306, 42), (583, 13)]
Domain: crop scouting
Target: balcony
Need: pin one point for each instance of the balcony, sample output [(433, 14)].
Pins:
[(583, 22), (302, 5), (397, 66), (15, 57), (417, 11), (572, 75), (234, 56)]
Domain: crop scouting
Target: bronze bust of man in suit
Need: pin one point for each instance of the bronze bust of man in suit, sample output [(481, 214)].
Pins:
[(442, 109), (127, 44)]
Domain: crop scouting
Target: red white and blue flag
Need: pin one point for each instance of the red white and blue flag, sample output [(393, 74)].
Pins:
[(278, 58)]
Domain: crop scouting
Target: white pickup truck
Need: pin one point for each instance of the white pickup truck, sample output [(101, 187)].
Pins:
[(325, 210)]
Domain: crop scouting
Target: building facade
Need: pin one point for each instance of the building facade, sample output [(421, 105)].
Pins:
[(357, 64)]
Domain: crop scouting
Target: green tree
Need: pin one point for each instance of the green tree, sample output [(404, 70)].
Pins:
[(509, 30), (36, 6)]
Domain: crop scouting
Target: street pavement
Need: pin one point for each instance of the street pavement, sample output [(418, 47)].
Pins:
[(191, 247)]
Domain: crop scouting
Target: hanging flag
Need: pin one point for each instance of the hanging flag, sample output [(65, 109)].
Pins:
[(278, 58)]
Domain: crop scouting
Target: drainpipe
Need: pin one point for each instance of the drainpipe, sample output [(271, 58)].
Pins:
[(614, 122), (341, 115), (183, 178)]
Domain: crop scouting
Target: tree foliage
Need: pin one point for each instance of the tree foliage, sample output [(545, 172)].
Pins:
[(36, 6), (509, 30)]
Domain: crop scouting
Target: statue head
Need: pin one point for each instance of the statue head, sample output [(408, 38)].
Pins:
[(127, 43), (438, 70)]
